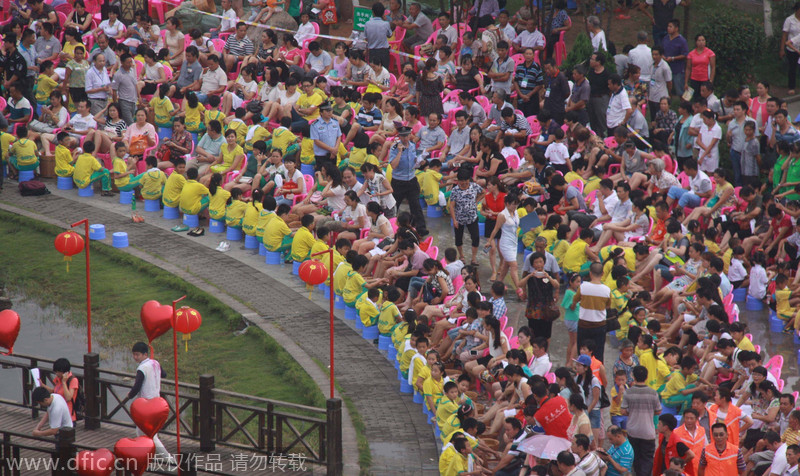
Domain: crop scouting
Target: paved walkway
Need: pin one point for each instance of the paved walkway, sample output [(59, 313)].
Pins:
[(400, 440)]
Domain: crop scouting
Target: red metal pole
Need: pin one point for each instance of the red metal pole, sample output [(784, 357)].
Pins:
[(331, 294), (329, 252), (177, 398), (85, 222)]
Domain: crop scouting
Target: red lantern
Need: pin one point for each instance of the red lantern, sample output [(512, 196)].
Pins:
[(69, 243), (313, 272), (187, 320)]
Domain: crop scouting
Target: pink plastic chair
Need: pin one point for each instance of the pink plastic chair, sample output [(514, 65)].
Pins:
[(503, 322), (577, 183), (550, 377), (309, 186), (399, 36), (426, 243), (431, 39), (591, 198), (514, 343), (458, 282), (508, 331), (774, 365), (433, 251)]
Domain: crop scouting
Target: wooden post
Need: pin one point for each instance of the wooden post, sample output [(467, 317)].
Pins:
[(334, 436), (91, 388), (206, 413), (27, 389), (65, 451), (188, 464)]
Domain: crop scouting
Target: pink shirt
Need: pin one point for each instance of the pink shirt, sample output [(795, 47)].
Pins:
[(700, 62)]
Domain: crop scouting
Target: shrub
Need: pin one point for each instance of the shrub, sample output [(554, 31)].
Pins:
[(580, 52), (736, 41)]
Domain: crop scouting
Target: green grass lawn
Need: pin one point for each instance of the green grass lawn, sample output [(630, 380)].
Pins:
[(252, 363)]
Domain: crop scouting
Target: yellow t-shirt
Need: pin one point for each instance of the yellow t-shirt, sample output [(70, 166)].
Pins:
[(25, 152), (241, 130), (282, 138), (340, 277), (550, 236), (63, 161), (194, 118), (420, 364), (302, 243), (260, 133), (70, 48), (337, 258), (192, 196), (657, 370), (234, 213), (726, 259), (559, 250), (152, 184), (214, 115), (358, 156), (433, 388), (616, 408), (712, 246), (264, 218), (318, 247), (677, 383), (306, 101), (120, 167), (228, 157), (575, 256), (451, 424), (448, 453), (790, 437), (353, 287), (430, 186), (274, 233), (592, 184), (388, 318), (162, 107), (172, 190), (217, 203), (85, 166), (459, 464), (573, 176), (367, 311), (6, 140), (746, 344), (44, 86), (782, 307), (250, 220)]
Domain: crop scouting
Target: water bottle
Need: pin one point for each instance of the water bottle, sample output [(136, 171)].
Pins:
[(133, 203)]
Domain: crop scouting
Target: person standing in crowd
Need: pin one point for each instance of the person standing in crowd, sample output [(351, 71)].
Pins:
[(378, 31), (405, 186), (790, 30), (599, 92), (594, 298), (676, 49), (148, 386), (641, 403)]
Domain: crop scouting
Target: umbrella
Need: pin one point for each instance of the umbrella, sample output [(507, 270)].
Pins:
[(544, 446)]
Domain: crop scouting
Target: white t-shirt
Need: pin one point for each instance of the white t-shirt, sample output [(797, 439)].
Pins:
[(297, 178), (58, 413), (758, 282), (305, 30), (557, 153), (642, 57), (779, 464), (711, 161), (736, 271), (111, 30), (700, 183), (348, 214), (213, 80), (336, 201), (228, 21), (791, 26), (82, 123), (598, 290), (618, 106), (540, 365), (598, 40), (284, 98), (153, 73)]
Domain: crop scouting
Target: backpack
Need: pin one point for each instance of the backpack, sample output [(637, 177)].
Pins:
[(32, 188), (78, 401)]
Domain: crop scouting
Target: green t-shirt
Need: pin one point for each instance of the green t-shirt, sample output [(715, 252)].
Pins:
[(793, 175), (569, 314), (777, 173)]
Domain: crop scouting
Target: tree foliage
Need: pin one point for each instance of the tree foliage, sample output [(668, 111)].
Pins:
[(737, 42), (581, 51)]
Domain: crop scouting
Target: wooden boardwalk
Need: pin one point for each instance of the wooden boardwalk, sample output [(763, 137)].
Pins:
[(222, 461)]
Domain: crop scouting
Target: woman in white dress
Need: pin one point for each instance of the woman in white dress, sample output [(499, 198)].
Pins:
[(507, 224)]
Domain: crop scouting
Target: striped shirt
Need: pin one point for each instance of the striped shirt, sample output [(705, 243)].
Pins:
[(623, 455), (594, 300), (520, 124), (591, 464), (740, 463), (238, 47)]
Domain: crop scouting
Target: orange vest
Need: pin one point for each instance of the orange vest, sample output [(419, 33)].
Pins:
[(695, 444), (721, 464), (731, 421), (596, 370)]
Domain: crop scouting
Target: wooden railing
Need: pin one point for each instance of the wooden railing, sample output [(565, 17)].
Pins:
[(208, 415)]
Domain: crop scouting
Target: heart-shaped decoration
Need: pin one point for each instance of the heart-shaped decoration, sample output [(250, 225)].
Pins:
[(135, 453), (156, 319), (150, 415), (9, 330), (95, 463)]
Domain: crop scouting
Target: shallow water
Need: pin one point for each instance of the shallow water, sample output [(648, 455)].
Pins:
[(46, 332)]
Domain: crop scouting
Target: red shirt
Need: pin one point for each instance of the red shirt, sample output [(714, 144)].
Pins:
[(700, 64), (554, 416), (58, 388), (496, 204), (778, 223)]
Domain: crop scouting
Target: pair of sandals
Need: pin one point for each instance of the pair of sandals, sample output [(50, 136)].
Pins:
[(199, 231)]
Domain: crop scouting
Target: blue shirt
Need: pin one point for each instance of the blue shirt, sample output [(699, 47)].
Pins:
[(676, 47), (369, 118), (623, 455), (327, 132), (377, 31), (405, 169)]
